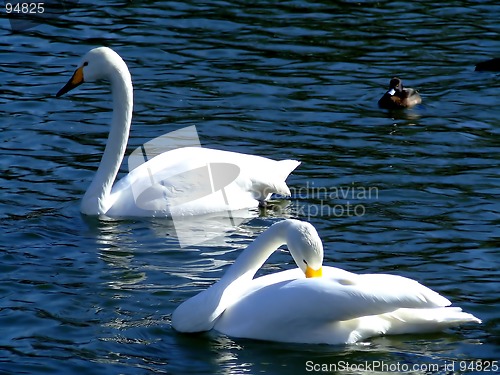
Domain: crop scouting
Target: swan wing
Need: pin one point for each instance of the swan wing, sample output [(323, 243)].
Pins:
[(298, 310), (179, 182)]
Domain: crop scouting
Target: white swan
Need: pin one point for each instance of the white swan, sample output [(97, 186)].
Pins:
[(160, 186), (299, 306)]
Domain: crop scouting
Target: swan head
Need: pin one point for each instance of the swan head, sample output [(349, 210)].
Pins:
[(98, 63), (305, 247)]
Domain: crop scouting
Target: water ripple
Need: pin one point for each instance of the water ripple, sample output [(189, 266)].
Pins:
[(295, 79)]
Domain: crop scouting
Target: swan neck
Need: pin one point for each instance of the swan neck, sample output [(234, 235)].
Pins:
[(200, 312), (256, 254), (97, 198)]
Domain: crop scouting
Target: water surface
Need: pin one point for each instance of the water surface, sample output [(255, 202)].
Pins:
[(295, 79)]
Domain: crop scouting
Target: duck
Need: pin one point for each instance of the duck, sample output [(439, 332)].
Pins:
[(311, 303), (492, 65), (398, 97), (183, 181)]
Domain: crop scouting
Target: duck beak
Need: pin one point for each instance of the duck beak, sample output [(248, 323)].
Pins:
[(314, 273), (75, 81)]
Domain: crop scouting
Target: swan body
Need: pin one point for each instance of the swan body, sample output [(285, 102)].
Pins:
[(312, 304), (174, 182), (169, 197)]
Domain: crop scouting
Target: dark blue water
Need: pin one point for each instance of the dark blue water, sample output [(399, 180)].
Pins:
[(293, 79)]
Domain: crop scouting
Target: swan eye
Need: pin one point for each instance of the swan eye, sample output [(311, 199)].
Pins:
[(85, 63), (305, 261)]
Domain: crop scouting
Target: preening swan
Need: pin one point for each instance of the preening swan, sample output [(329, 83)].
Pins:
[(160, 186), (311, 304)]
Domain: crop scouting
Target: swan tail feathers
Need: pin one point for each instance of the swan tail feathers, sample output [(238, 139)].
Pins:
[(273, 182), (287, 167), (408, 321), (445, 316)]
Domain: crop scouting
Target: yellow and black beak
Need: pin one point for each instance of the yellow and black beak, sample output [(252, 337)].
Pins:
[(314, 273), (75, 81)]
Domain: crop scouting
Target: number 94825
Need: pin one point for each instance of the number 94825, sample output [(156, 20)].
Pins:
[(24, 8)]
